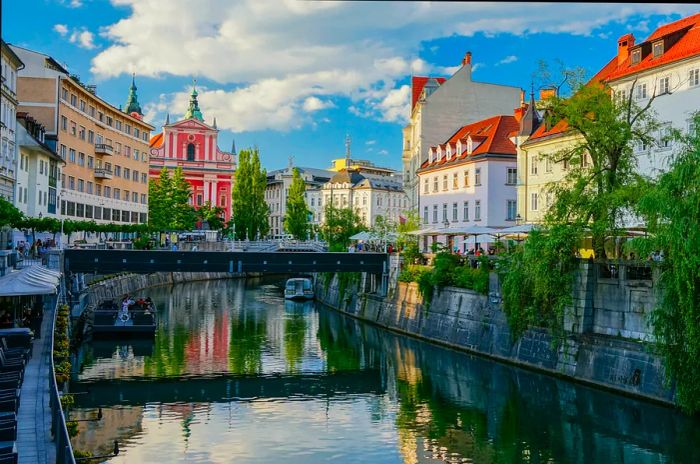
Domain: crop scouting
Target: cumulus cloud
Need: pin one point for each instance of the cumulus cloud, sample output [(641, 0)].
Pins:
[(312, 104), (280, 59), (83, 38), (62, 29), (508, 59), (370, 142)]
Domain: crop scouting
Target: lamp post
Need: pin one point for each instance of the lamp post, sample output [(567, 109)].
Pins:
[(446, 224)]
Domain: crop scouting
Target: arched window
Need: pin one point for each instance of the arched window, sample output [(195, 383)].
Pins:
[(190, 152)]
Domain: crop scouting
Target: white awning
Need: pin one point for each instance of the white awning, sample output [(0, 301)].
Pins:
[(33, 280)]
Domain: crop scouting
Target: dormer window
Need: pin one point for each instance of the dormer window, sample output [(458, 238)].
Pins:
[(636, 56), (658, 48), (470, 146)]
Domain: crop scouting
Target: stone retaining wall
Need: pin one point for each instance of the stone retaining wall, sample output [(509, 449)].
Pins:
[(472, 322)]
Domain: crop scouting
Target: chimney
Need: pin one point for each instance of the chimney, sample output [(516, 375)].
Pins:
[(547, 92), (624, 44), (467, 60)]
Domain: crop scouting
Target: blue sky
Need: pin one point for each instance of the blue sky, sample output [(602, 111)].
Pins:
[(293, 77)]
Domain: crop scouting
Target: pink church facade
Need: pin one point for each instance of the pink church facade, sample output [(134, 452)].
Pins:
[(192, 145)]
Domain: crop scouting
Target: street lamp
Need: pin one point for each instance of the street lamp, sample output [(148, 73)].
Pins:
[(518, 219)]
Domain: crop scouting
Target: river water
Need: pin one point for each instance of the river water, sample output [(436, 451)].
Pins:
[(237, 375)]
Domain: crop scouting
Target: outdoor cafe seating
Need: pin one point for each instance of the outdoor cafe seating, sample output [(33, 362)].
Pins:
[(15, 351)]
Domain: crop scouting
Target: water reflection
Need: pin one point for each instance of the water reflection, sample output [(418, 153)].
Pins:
[(236, 373)]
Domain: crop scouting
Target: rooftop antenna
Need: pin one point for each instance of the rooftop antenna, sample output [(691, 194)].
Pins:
[(347, 150)]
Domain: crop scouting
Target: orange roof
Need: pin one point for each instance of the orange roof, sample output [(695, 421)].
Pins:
[(494, 132), (686, 46), (156, 140), (417, 84)]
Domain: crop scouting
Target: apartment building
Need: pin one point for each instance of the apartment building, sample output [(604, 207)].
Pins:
[(105, 178), (10, 64)]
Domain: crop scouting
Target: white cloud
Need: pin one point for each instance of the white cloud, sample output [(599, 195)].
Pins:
[(62, 29), (312, 104), (476, 66), (383, 152), (83, 38), (508, 59), (370, 142), (279, 56)]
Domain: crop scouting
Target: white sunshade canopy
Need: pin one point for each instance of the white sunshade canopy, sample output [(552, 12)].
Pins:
[(521, 229), (33, 280)]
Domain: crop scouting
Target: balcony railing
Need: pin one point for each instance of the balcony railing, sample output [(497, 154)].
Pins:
[(103, 149), (102, 173)]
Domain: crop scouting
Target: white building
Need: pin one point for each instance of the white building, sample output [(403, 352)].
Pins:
[(38, 170), (370, 195), (8, 110), (665, 66), (277, 190), (470, 179), (439, 107)]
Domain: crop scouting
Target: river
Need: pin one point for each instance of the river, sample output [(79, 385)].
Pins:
[(236, 374)]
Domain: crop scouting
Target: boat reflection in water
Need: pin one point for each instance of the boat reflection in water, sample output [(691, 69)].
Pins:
[(236, 373), (299, 289)]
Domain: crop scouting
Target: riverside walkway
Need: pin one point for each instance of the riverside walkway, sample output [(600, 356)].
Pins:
[(34, 443)]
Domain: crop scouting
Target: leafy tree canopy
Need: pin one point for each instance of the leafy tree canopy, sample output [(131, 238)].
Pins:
[(339, 225), (296, 220), (250, 211)]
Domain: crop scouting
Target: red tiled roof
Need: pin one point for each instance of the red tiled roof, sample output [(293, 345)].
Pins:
[(156, 140), (417, 84), (494, 132), (688, 45)]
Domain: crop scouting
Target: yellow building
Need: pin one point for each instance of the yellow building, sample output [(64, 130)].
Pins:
[(105, 149)]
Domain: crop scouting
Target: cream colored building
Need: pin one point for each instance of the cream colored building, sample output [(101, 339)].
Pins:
[(10, 63), (106, 150)]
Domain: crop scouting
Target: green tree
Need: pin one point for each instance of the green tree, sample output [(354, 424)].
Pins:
[(383, 229), (338, 226), (183, 215), (672, 213), (9, 214), (212, 215), (408, 243), (169, 202), (250, 211), (296, 220), (601, 186), (159, 201)]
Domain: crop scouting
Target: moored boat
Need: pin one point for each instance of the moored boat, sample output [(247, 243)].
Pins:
[(130, 318), (299, 289)]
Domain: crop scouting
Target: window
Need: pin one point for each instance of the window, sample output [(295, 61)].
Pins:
[(64, 94), (665, 136), (658, 48), (547, 165), (127, 173), (477, 210), (63, 152), (91, 136), (444, 212), (511, 176), (127, 151), (73, 128), (444, 182), (118, 125), (510, 210), (82, 105), (91, 162), (64, 123), (71, 182), (455, 181), (109, 121), (80, 209), (465, 211), (81, 159), (641, 91), (92, 111), (88, 211), (136, 154), (108, 192), (199, 199), (636, 56), (107, 214), (81, 133), (455, 212), (136, 132), (477, 176), (127, 129), (81, 185), (664, 86), (533, 166), (533, 202), (694, 77), (118, 148), (73, 100), (117, 193), (466, 178), (127, 194), (135, 176), (143, 198), (425, 215), (435, 212), (100, 116), (426, 185), (89, 187), (117, 171), (190, 152), (435, 184), (98, 190), (144, 178), (71, 155)]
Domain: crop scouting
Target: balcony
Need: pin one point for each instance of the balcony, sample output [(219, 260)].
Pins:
[(102, 173), (104, 149)]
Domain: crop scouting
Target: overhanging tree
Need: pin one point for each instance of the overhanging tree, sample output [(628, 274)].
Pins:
[(339, 224), (296, 220)]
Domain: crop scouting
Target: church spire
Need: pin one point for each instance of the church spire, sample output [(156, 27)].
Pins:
[(167, 119), (132, 103), (193, 110), (233, 147)]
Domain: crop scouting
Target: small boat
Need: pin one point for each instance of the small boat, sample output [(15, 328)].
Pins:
[(299, 289), (111, 318)]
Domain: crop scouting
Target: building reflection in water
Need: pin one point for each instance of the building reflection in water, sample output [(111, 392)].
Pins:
[(237, 372)]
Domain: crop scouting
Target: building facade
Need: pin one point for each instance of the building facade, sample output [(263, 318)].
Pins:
[(105, 149), (192, 145), (11, 63), (439, 107), (370, 190), (38, 172), (470, 179), (277, 189)]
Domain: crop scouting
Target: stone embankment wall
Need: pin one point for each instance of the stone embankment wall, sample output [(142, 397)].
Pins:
[(469, 321), (117, 286)]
